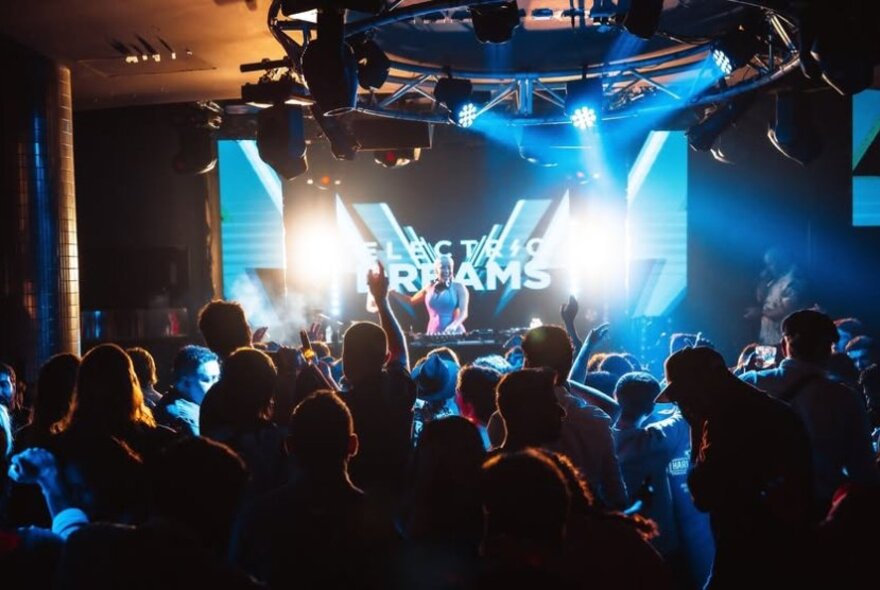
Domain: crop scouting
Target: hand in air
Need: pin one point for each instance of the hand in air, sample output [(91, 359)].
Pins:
[(33, 466), (378, 283), (597, 334), (569, 310)]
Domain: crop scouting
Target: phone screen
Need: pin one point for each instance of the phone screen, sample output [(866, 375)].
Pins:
[(766, 355)]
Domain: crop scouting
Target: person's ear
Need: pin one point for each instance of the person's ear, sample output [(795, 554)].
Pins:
[(353, 444), (287, 449)]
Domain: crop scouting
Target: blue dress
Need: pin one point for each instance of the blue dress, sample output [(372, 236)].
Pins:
[(441, 307)]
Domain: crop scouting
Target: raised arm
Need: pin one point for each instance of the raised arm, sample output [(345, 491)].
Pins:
[(578, 371), (378, 283), (596, 398), (569, 313)]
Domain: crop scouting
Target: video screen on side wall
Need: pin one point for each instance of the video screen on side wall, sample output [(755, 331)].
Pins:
[(866, 158)]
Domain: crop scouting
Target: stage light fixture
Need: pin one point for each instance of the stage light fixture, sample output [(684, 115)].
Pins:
[(733, 51), (455, 95), (380, 134), (583, 102), (540, 156), (397, 158), (281, 140), (291, 8), (466, 115), (343, 143), (196, 125), (329, 66), (494, 23), (845, 56), (703, 135), (195, 154), (584, 118), (372, 63), (265, 93), (643, 17), (792, 132)]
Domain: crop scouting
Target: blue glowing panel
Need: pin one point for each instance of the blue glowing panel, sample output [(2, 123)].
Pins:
[(866, 158), (657, 224), (252, 226), (866, 201)]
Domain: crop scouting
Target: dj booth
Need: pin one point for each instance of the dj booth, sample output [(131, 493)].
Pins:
[(468, 346)]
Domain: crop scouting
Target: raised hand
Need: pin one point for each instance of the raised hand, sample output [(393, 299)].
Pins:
[(378, 283), (597, 334), (33, 466), (569, 310)]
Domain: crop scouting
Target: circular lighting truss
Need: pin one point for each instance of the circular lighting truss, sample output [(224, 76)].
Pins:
[(682, 73)]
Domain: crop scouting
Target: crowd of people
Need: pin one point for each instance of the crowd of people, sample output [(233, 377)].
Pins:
[(550, 466)]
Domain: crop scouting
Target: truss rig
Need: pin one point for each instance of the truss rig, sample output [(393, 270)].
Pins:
[(678, 76)]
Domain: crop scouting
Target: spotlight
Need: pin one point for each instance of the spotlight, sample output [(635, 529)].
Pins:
[(329, 66), (466, 115), (584, 118), (281, 140), (455, 95), (324, 182), (372, 64), (792, 132), (397, 158), (643, 17), (733, 51), (494, 23), (583, 102), (703, 135)]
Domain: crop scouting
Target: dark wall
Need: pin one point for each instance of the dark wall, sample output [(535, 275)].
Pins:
[(763, 199), (143, 231)]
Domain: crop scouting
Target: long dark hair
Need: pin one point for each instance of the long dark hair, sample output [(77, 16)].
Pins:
[(55, 385), (108, 397)]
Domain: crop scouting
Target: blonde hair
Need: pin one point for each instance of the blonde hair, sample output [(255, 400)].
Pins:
[(447, 258)]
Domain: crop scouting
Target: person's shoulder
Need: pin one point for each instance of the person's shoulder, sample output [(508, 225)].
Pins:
[(396, 375), (583, 411), (762, 376), (779, 410), (669, 424), (396, 367), (832, 392)]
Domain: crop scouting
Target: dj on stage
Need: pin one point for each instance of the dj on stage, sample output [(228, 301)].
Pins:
[(445, 299)]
